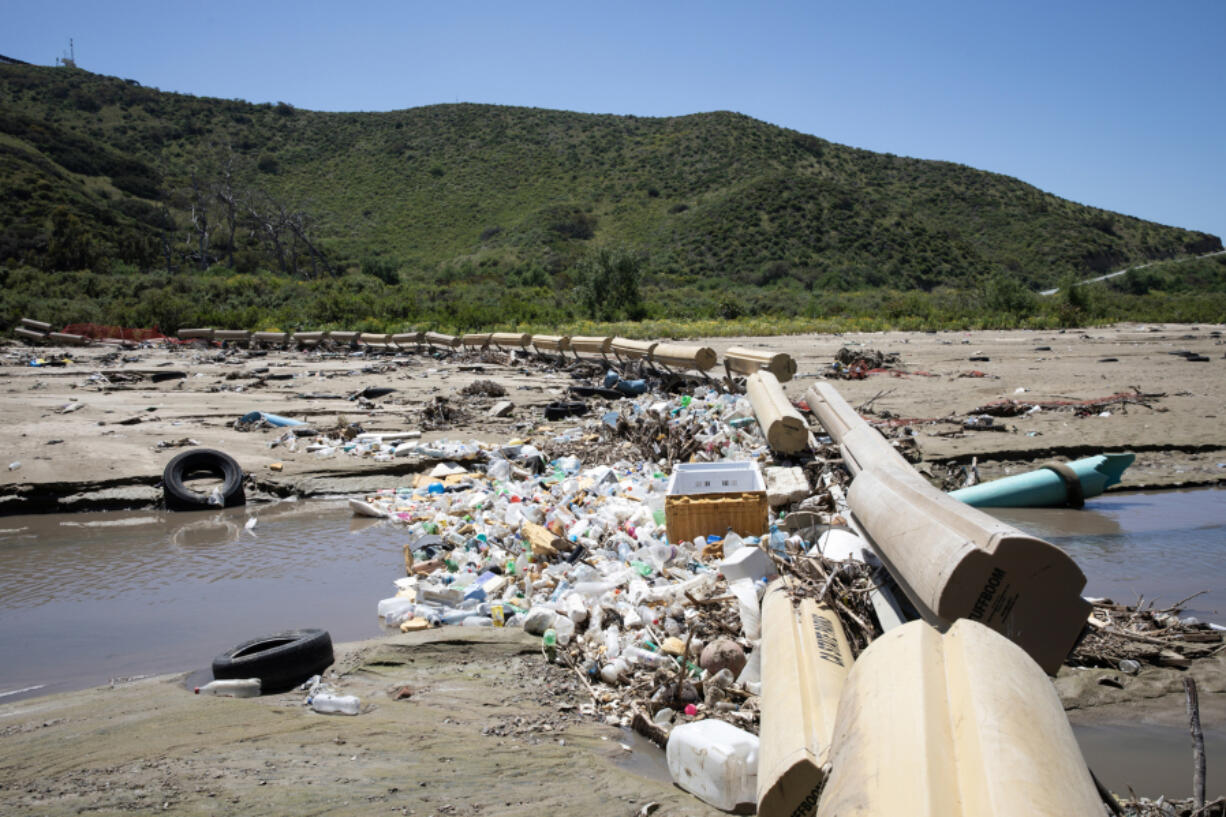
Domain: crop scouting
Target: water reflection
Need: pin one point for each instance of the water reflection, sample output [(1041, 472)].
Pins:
[(1160, 545), (87, 597)]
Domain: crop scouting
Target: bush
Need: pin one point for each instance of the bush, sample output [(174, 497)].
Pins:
[(384, 269), (609, 285), (268, 164), (1005, 294), (571, 222)]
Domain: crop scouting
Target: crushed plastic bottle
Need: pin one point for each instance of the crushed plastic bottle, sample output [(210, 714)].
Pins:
[(332, 704)]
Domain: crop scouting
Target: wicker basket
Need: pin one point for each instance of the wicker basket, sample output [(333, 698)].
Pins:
[(707, 499), (690, 515)]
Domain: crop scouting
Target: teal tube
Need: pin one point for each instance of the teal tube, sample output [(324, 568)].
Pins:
[(1044, 488), (271, 419)]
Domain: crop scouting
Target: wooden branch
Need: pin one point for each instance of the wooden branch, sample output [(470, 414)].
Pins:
[(1198, 744)]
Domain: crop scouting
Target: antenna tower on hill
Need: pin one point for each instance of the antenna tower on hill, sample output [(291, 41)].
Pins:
[(69, 61)]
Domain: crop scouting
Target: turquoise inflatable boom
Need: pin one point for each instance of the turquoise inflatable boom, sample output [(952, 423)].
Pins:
[(1054, 485)]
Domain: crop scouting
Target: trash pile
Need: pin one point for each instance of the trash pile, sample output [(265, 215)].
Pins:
[(1125, 636), (856, 364), (661, 632)]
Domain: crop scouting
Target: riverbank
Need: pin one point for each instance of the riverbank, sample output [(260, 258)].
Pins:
[(97, 432), (454, 721)]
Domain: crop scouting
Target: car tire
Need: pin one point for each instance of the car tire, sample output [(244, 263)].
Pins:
[(281, 660), (181, 498)]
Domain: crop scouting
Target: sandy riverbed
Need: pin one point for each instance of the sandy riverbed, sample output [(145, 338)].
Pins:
[(471, 738)]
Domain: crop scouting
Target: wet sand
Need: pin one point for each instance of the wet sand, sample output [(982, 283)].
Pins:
[(486, 728)]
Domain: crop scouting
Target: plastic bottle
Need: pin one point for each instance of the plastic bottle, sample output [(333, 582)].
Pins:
[(394, 606), (232, 688), (646, 657), (778, 541), (564, 629), (611, 673), (331, 703)]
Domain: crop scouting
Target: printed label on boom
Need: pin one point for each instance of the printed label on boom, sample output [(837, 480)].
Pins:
[(827, 641), (995, 602)]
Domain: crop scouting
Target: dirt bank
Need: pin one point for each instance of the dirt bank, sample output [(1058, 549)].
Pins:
[(134, 409), (484, 726), (455, 721)]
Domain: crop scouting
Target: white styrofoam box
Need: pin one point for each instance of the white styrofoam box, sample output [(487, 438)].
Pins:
[(784, 485), (747, 562), (715, 478)]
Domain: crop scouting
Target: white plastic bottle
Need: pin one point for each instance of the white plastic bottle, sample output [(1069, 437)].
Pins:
[(331, 703), (232, 688)]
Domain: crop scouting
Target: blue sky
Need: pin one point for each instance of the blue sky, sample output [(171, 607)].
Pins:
[(1120, 105)]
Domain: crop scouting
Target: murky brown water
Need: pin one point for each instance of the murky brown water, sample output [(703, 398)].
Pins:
[(89, 597), (1163, 545)]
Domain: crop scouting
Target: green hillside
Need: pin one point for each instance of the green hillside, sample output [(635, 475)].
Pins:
[(455, 206)]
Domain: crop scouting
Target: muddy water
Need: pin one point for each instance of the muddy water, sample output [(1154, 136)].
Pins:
[(1164, 546), (89, 597)]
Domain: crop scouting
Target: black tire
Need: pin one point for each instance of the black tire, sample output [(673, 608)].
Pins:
[(281, 660), (563, 409), (201, 460)]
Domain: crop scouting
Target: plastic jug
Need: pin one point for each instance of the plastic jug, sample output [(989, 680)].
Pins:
[(716, 762)]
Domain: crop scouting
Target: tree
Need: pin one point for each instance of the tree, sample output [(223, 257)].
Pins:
[(284, 229), (199, 200), (1005, 294), (230, 200), (71, 247), (609, 285)]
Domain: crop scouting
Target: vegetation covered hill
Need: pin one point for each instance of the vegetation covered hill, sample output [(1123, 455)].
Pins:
[(466, 214)]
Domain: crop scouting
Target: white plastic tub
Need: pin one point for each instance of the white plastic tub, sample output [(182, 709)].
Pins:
[(715, 478)]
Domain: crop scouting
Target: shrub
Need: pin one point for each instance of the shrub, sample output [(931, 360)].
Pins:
[(384, 269), (609, 285)]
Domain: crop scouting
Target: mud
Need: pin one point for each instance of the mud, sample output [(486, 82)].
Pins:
[(487, 727), (484, 727)]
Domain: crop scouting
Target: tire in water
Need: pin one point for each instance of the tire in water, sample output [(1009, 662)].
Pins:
[(202, 461)]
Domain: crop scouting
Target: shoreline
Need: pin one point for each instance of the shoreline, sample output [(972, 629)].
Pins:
[(444, 713), (484, 705)]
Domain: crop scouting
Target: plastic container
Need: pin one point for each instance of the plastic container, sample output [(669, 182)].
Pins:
[(716, 762), (232, 688), (329, 703)]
